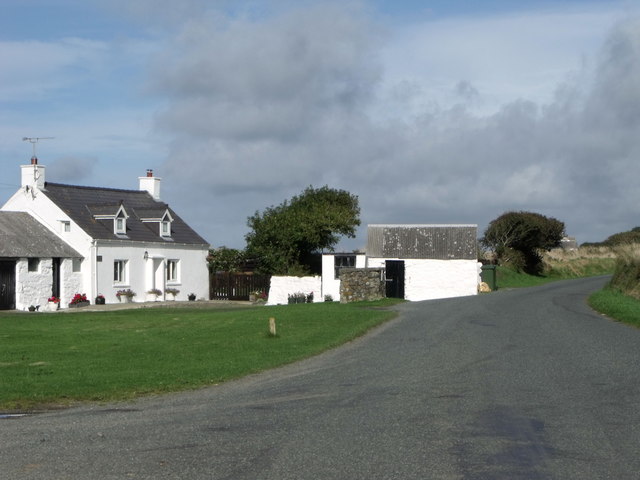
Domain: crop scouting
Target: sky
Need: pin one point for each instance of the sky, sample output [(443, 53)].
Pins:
[(431, 112)]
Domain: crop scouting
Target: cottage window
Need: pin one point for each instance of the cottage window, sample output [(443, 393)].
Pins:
[(343, 261), (33, 264), (76, 265), (172, 271), (121, 226), (165, 228), (120, 271), (66, 226)]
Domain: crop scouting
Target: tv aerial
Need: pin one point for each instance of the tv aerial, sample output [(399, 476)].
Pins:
[(34, 141)]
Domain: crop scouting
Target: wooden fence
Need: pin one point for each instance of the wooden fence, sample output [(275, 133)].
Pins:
[(236, 286)]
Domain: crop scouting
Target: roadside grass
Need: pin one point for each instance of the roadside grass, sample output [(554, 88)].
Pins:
[(57, 359), (562, 265), (615, 304)]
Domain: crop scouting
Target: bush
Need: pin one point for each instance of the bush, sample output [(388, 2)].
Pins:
[(626, 276), (513, 259)]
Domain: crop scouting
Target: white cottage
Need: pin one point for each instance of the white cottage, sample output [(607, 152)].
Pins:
[(124, 239), (421, 262)]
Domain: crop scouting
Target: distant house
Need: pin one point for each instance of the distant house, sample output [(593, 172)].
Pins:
[(117, 240), (421, 262)]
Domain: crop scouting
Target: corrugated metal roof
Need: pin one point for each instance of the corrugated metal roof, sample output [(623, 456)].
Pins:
[(437, 242), (82, 203), (22, 236)]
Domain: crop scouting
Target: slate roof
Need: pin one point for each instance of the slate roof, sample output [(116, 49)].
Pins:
[(436, 242), (22, 236), (82, 203)]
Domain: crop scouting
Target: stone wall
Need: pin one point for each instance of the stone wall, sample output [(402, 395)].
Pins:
[(361, 284)]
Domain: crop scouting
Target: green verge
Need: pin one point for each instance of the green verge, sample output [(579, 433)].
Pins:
[(617, 305), (509, 278), (57, 359)]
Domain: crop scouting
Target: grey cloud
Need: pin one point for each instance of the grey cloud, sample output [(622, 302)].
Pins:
[(64, 169), (259, 110)]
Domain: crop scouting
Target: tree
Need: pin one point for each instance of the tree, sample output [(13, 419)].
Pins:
[(517, 238), (283, 238), (225, 259)]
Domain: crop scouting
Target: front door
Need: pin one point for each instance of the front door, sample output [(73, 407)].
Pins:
[(7, 285), (55, 284), (394, 276)]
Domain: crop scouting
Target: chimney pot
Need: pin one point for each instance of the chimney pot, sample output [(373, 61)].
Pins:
[(149, 172), (34, 160)]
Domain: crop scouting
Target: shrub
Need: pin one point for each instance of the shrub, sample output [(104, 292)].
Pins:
[(626, 276)]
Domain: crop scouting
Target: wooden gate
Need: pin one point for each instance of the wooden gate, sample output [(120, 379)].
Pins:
[(394, 276), (7, 285), (236, 286)]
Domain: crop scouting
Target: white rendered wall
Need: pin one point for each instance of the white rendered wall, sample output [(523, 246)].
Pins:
[(432, 279), (143, 275), (281, 287), (33, 288), (71, 283), (330, 284)]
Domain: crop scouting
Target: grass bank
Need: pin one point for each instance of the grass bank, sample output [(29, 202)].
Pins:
[(615, 304), (59, 359), (562, 265), (621, 298)]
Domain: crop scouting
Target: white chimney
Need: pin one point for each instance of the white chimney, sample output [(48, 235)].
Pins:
[(150, 184), (33, 175)]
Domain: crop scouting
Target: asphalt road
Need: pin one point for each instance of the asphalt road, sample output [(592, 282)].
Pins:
[(520, 384)]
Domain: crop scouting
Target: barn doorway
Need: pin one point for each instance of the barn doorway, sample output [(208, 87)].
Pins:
[(394, 277), (7, 285)]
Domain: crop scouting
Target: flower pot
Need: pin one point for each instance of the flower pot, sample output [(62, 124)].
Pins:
[(80, 304), (192, 298), (125, 299), (152, 297), (252, 298), (52, 306), (100, 301)]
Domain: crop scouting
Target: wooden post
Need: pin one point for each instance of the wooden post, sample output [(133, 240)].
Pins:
[(272, 326)]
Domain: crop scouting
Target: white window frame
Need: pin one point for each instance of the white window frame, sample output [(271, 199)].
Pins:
[(165, 228), (173, 271), (120, 225), (65, 226), (120, 272)]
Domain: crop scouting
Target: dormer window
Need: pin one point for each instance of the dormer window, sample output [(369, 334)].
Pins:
[(165, 228), (120, 224), (157, 219), (112, 213)]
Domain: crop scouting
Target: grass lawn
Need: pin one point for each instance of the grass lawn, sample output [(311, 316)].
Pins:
[(50, 359), (617, 305)]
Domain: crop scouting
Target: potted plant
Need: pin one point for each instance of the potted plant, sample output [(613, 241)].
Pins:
[(100, 300), (258, 296), (192, 297), (32, 308), (53, 303), (153, 294), (79, 300), (125, 296), (298, 297), (172, 292)]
